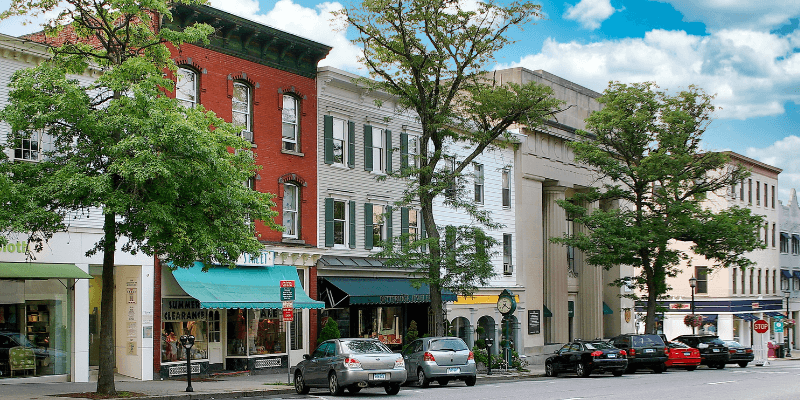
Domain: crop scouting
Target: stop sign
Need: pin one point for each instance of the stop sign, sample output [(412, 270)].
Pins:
[(761, 326)]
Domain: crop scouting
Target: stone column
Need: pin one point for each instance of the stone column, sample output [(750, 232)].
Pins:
[(529, 252), (590, 297), (555, 266)]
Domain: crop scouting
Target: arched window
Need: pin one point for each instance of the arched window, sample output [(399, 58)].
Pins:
[(291, 210), (291, 123), (186, 87), (241, 107)]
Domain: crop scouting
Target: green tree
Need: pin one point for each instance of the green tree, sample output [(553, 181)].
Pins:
[(165, 177), (645, 144), (431, 55)]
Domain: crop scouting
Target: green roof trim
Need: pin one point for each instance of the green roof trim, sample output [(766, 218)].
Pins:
[(25, 270), (252, 41)]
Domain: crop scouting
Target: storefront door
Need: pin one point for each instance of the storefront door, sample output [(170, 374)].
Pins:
[(214, 337), (95, 293)]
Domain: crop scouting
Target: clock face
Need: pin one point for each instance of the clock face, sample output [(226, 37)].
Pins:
[(504, 305)]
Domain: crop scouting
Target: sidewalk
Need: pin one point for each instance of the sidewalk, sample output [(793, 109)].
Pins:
[(215, 387)]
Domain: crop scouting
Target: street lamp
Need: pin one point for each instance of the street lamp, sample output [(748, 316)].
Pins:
[(187, 342), (693, 285), (489, 341), (785, 328)]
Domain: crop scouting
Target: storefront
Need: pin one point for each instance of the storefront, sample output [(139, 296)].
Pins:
[(235, 316)]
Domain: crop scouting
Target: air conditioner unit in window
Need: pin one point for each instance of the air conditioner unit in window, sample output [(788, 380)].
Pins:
[(248, 135), (508, 269)]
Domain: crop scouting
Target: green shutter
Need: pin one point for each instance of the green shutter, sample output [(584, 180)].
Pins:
[(403, 150), (367, 226), (389, 151), (404, 224), (388, 223), (328, 132), (352, 238), (367, 148), (351, 144), (329, 222)]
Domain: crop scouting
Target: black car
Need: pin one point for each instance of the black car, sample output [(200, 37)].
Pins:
[(713, 351), (585, 357), (739, 353), (644, 351)]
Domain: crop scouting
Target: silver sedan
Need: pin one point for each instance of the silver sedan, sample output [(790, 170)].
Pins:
[(351, 364), (440, 358)]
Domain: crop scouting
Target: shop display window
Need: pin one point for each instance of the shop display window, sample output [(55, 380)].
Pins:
[(171, 332), (255, 332), (382, 323)]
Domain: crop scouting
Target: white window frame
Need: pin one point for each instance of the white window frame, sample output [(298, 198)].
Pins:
[(290, 143), (378, 224), (26, 151), (479, 182), (345, 223), (340, 128), (181, 84), (292, 210), (508, 251), (505, 191), (378, 150), (247, 106)]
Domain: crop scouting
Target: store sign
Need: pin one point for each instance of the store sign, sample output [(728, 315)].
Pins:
[(266, 258), (680, 306), (182, 310), (398, 299)]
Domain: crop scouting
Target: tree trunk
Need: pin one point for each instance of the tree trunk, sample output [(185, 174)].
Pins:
[(652, 298), (105, 377), (434, 273)]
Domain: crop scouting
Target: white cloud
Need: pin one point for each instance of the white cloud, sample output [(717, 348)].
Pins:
[(781, 154), (726, 14), (752, 73), (590, 13)]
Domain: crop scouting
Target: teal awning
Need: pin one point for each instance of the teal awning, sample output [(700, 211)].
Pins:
[(26, 270), (547, 313), (606, 309), (385, 291), (241, 287)]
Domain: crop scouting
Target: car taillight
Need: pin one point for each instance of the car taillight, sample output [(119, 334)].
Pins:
[(353, 363), (666, 350), (471, 356), (399, 363), (732, 351), (428, 357), (623, 353), (632, 352), (748, 351), (597, 353)]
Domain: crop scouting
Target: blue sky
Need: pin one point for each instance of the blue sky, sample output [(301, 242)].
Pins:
[(745, 52)]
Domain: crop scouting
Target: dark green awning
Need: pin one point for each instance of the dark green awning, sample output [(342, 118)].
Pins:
[(547, 312), (385, 290), (25, 270), (606, 309)]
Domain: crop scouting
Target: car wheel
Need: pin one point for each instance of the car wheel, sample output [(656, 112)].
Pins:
[(470, 381), (300, 384), (617, 372), (353, 389), (721, 366), (392, 389), (422, 381), (443, 382), (333, 385), (692, 368), (743, 364), (582, 370), (550, 370)]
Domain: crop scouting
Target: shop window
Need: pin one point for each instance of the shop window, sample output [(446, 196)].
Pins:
[(701, 273), (186, 87), (172, 332), (255, 332), (214, 328), (291, 123), (382, 323), (291, 210)]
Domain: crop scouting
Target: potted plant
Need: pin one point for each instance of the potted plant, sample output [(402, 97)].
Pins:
[(693, 320)]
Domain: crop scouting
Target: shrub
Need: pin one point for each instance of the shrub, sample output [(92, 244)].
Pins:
[(329, 331)]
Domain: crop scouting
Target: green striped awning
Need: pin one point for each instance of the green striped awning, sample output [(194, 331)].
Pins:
[(25, 270)]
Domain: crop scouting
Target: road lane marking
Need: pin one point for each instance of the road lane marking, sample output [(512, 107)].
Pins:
[(720, 383)]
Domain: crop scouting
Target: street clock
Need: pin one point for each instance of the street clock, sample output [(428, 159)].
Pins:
[(506, 303)]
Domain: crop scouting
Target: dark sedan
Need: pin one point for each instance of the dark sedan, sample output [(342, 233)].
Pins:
[(739, 354), (713, 351), (585, 357)]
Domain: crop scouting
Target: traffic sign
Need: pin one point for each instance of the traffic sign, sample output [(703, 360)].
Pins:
[(287, 290), (778, 326), (288, 311), (761, 326)]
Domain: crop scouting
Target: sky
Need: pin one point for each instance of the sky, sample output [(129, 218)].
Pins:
[(746, 53)]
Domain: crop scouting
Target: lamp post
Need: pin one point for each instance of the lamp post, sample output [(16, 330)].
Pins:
[(693, 285), (785, 328), (187, 342), (489, 341)]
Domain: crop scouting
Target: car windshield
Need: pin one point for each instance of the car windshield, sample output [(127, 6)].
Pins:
[(646, 340), (599, 346), (365, 347), (448, 344), (732, 343), (677, 345), (711, 340)]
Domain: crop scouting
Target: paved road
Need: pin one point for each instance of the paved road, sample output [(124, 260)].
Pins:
[(777, 381)]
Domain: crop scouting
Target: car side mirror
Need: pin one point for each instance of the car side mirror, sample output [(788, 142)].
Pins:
[(306, 356)]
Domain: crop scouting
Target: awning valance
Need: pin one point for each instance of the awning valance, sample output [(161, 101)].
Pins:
[(384, 290), (746, 317), (786, 273), (241, 287), (774, 314), (24, 270), (784, 234), (709, 317), (606, 309)]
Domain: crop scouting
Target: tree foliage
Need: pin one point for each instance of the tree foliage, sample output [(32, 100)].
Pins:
[(431, 55), (167, 180), (645, 146)]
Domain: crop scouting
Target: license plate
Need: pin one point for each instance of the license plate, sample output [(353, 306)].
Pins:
[(686, 353), (715, 350), (453, 370), (740, 351), (612, 356), (379, 377), (649, 350)]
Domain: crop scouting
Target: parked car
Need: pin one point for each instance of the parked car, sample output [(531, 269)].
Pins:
[(712, 350), (644, 351), (442, 359), (351, 364), (682, 356), (739, 353), (585, 357)]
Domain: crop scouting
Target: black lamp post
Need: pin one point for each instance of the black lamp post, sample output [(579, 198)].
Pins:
[(187, 342), (693, 285), (786, 328), (489, 341)]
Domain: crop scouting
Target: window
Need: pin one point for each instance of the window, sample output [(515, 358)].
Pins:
[(784, 242), (413, 224), (750, 191), (784, 282), (570, 249), (773, 234), (741, 190), (795, 283), (744, 286), (340, 134), (507, 254), (242, 117), (449, 168), (795, 244), (31, 147), (701, 273), (291, 194), (752, 273), (478, 182), (758, 282), (733, 190), (733, 280), (506, 188), (758, 193), (773, 196), (766, 202), (214, 329), (378, 225), (339, 223), (413, 150), (290, 118), (378, 146), (186, 87), (775, 281), (296, 326), (766, 234)]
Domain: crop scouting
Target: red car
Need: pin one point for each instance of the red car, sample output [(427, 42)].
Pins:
[(682, 356)]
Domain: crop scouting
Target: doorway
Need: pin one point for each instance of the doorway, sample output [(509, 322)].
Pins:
[(95, 294)]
